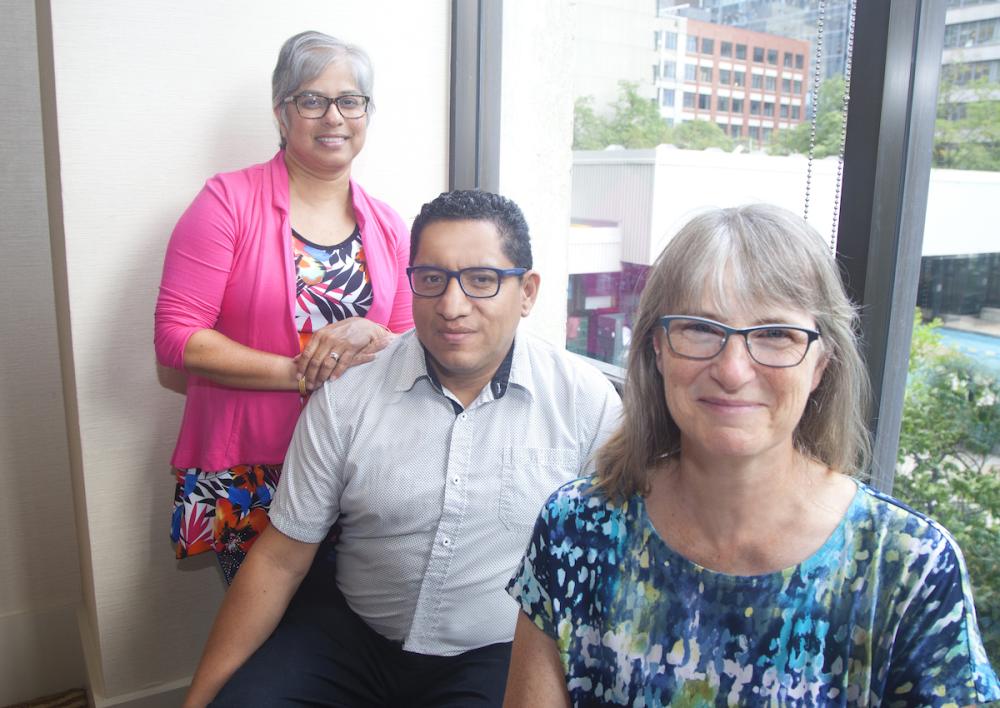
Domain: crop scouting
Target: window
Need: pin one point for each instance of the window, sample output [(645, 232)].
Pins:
[(667, 98), (688, 99), (656, 40), (725, 77), (741, 51), (736, 130), (786, 85), (770, 83), (690, 71), (787, 59), (757, 81), (755, 108), (772, 57), (972, 34), (758, 55), (705, 101), (726, 49), (705, 74), (722, 104), (656, 72), (768, 108), (796, 86), (783, 111), (692, 43), (737, 105), (739, 78), (796, 112), (707, 46), (669, 70), (765, 135), (670, 40), (754, 132), (799, 61)]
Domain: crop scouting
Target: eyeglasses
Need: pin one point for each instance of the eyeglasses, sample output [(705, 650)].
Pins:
[(482, 282), (775, 345), (314, 106)]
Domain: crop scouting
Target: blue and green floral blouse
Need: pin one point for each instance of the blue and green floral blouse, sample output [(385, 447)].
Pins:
[(881, 614)]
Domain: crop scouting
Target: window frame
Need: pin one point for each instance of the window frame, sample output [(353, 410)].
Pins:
[(890, 129)]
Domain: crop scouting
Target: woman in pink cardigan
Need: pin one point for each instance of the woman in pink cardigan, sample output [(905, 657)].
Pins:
[(277, 278)]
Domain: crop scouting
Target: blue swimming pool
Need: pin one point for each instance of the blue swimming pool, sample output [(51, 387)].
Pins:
[(981, 347)]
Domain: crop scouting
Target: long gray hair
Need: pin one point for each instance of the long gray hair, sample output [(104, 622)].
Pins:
[(304, 56), (766, 256)]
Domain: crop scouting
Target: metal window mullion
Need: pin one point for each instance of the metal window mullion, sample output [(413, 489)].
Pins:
[(887, 162), (476, 41)]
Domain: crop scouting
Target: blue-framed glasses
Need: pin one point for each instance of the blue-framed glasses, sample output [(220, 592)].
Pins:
[(775, 345), (481, 282)]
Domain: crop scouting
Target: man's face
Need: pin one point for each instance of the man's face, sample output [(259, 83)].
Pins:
[(468, 337)]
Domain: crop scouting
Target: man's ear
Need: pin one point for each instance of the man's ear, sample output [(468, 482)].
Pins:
[(530, 283)]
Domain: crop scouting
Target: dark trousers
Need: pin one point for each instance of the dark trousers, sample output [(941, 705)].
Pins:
[(323, 654)]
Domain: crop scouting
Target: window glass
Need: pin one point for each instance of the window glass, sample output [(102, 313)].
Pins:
[(786, 85), (787, 59), (772, 56), (627, 200), (949, 445)]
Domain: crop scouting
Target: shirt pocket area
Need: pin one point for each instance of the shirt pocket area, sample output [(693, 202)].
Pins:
[(528, 477)]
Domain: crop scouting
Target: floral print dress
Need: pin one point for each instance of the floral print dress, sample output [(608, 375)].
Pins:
[(880, 615), (226, 510)]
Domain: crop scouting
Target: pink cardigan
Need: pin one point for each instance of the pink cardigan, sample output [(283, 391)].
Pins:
[(229, 267)]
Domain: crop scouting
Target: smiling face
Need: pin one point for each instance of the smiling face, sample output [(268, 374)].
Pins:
[(731, 406), (325, 146), (468, 338)]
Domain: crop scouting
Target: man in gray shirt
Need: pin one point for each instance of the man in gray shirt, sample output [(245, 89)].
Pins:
[(434, 459)]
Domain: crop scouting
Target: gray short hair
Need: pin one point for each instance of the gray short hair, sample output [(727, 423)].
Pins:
[(305, 56), (766, 256)]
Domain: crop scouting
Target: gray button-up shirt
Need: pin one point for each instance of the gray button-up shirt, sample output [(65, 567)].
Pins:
[(436, 502)]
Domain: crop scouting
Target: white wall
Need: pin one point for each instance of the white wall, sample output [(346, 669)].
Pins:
[(536, 136), (152, 99), (39, 566)]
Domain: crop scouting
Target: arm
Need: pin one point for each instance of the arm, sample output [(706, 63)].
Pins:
[(536, 674), (251, 610), (196, 270)]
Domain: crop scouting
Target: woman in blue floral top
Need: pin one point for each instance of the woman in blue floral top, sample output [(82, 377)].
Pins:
[(725, 553)]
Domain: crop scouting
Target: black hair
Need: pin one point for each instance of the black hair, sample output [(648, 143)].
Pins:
[(476, 205)]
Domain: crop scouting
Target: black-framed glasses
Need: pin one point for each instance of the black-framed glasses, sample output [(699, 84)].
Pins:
[(314, 106), (427, 281), (776, 345)]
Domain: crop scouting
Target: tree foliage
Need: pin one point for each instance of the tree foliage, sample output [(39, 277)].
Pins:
[(967, 129), (635, 122), (948, 463), (829, 125)]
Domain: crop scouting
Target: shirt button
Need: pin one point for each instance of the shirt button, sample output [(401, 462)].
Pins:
[(455, 479), (463, 416), (446, 542)]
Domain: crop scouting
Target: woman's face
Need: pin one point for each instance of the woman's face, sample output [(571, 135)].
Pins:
[(325, 146), (731, 406)]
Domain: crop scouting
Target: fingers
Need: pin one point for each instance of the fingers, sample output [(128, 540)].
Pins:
[(337, 347)]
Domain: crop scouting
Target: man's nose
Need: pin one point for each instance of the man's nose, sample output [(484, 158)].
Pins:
[(453, 302)]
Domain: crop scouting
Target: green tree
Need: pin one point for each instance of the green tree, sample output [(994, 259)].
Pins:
[(635, 122), (948, 463), (829, 125), (701, 134), (967, 129)]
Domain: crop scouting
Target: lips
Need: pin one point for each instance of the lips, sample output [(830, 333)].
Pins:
[(332, 140), (730, 405), (455, 336)]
